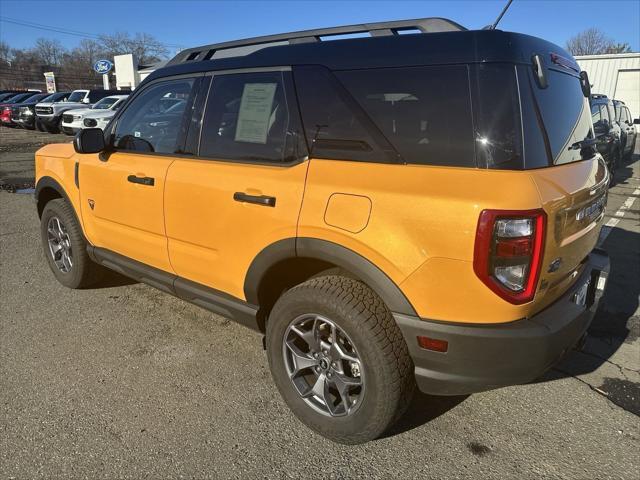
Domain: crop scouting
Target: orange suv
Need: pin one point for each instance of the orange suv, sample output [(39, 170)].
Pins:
[(420, 207)]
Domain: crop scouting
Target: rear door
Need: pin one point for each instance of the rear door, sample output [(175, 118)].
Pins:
[(122, 191), (627, 124), (242, 189)]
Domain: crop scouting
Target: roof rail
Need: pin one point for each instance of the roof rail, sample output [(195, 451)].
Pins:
[(246, 46)]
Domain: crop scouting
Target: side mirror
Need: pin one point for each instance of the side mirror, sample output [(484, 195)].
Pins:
[(85, 100), (636, 121), (89, 140)]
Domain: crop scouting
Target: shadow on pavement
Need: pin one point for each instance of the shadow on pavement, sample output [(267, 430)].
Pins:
[(423, 409), (112, 279), (615, 322)]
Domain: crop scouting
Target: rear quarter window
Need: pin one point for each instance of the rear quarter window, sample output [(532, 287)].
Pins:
[(424, 112)]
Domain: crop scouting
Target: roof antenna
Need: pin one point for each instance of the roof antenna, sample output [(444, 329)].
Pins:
[(495, 24)]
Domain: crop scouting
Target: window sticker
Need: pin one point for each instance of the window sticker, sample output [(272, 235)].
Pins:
[(255, 112)]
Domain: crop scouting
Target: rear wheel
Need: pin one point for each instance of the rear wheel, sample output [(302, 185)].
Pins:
[(339, 359), (65, 246)]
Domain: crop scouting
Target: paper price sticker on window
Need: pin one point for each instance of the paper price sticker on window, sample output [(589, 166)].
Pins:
[(254, 117)]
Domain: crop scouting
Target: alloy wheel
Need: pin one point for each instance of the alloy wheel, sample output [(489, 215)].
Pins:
[(324, 366), (59, 245)]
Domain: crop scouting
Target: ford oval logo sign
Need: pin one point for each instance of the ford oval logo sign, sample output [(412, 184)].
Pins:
[(102, 66)]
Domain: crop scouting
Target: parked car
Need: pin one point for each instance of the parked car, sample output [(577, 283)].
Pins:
[(607, 131), (50, 114), (53, 98), (5, 106), (101, 111), (628, 132), (22, 113), (371, 205), (7, 94)]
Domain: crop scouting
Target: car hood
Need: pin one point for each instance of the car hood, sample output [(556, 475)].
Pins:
[(100, 114), (78, 111), (44, 104), (68, 105)]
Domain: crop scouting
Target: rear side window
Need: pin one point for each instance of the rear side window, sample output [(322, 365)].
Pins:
[(248, 118), (498, 127), (424, 112)]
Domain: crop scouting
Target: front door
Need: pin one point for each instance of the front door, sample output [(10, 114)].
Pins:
[(122, 190), (243, 190)]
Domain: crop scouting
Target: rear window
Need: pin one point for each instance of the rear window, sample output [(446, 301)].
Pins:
[(424, 112), (556, 119)]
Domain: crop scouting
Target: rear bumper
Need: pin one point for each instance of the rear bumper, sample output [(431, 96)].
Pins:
[(484, 357)]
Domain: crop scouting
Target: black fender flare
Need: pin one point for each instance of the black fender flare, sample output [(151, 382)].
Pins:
[(49, 182), (305, 247)]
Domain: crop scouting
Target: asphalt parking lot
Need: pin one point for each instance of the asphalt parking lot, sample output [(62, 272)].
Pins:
[(123, 381)]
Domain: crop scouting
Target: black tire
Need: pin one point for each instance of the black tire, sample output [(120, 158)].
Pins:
[(83, 272), (40, 126), (55, 128), (387, 369)]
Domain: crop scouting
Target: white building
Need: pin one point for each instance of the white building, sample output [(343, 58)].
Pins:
[(615, 75)]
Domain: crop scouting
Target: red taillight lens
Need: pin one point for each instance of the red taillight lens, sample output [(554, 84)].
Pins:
[(508, 252), (433, 344)]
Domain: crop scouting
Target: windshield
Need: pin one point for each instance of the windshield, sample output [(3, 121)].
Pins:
[(18, 98), (36, 98), (77, 96), (105, 103), (54, 97)]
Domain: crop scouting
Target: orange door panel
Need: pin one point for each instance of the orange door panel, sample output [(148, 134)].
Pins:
[(122, 205), (213, 238)]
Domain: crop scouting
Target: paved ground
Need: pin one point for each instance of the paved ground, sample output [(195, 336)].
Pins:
[(124, 381)]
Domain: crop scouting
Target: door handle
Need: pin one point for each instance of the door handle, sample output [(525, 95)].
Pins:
[(141, 180), (263, 200)]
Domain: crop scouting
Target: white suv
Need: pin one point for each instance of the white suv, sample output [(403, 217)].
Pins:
[(96, 116), (50, 114)]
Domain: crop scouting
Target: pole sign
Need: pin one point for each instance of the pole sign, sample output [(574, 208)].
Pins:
[(50, 80), (102, 67)]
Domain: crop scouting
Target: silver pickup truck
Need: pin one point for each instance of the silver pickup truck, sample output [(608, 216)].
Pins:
[(50, 114)]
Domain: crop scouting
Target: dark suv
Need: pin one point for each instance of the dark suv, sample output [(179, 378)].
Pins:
[(607, 131), (627, 130)]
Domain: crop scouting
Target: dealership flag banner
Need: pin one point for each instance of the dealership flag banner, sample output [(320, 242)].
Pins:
[(50, 78)]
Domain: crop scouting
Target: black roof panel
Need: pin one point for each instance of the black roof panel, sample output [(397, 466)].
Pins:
[(467, 46)]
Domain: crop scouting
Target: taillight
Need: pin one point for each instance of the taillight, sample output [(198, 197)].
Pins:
[(508, 252)]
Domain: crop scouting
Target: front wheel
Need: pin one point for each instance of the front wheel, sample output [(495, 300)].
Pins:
[(65, 246), (339, 359)]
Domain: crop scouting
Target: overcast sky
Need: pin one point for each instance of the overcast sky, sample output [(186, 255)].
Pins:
[(191, 23)]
